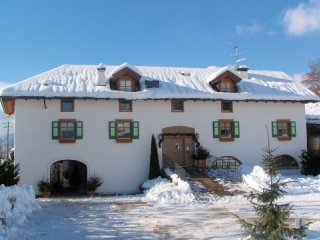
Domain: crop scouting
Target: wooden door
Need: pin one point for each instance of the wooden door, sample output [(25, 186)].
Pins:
[(178, 149)]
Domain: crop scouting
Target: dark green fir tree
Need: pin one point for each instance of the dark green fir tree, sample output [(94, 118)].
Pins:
[(154, 170), (9, 173), (272, 221)]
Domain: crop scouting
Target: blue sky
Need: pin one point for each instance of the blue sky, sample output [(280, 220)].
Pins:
[(38, 35)]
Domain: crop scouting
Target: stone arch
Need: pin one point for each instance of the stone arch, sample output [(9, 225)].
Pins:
[(68, 176), (286, 162)]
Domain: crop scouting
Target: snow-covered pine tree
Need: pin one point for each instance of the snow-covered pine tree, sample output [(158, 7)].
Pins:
[(154, 170), (272, 222)]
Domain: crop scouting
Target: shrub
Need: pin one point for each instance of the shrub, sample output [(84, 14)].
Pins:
[(310, 163), (44, 186), (94, 182)]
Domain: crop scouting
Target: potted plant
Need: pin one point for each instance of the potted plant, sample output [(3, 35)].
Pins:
[(44, 188), (92, 184), (201, 156)]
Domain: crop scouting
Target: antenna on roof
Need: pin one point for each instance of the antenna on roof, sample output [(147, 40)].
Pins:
[(236, 54)]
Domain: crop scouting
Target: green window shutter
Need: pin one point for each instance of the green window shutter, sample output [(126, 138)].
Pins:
[(236, 129), (135, 130), (216, 129), (79, 129), (55, 129), (112, 130), (274, 129), (293, 129)]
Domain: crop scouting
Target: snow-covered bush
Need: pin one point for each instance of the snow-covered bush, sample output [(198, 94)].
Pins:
[(17, 202)]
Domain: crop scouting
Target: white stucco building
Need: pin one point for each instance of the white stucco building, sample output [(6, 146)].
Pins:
[(77, 120)]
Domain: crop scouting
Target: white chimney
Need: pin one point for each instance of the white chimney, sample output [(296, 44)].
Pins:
[(101, 79), (243, 70)]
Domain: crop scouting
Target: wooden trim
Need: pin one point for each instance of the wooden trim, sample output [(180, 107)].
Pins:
[(286, 138), (178, 110), (124, 110), (226, 111), (67, 140), (123, 140), (66, 100), (8, 105)]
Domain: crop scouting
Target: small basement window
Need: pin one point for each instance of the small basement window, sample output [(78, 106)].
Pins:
[(125, 105), (226, 106), (177, 105), (67, 105)]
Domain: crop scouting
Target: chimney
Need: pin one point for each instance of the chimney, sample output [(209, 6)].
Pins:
[(243, 70), (101, 79)]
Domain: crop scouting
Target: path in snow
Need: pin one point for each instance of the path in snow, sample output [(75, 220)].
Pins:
[(126, 219)]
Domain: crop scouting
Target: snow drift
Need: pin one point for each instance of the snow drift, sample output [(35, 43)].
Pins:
[(17, 202)]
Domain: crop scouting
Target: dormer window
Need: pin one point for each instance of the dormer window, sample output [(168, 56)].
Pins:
[(226, 86), (225, 80), (125, 78), (125, 85)]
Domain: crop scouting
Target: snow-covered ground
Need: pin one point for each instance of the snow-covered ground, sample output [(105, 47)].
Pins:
[(166, 210)]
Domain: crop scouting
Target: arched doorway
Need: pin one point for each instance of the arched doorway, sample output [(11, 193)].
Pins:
[(178, 143), (68, 177)]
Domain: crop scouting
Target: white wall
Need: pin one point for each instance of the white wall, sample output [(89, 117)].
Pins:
[(124, 166)]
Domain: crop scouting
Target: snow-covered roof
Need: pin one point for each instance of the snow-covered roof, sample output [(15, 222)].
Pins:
[(78, 81), (313, 113)]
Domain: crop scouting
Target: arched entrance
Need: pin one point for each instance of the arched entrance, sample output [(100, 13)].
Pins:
[(68, 177), (178, 143)]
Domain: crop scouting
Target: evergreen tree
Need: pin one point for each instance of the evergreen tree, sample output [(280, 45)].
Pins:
[(310, 163), (154, 170), (272, 217), (9, 173)]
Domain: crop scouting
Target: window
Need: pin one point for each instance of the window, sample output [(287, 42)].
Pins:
[(226, 130), (67, 130), (125, 105), (67, 105), (284, 129), (125, 85), (123, 130), (226, 87), (177, 105), (226, 106)]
